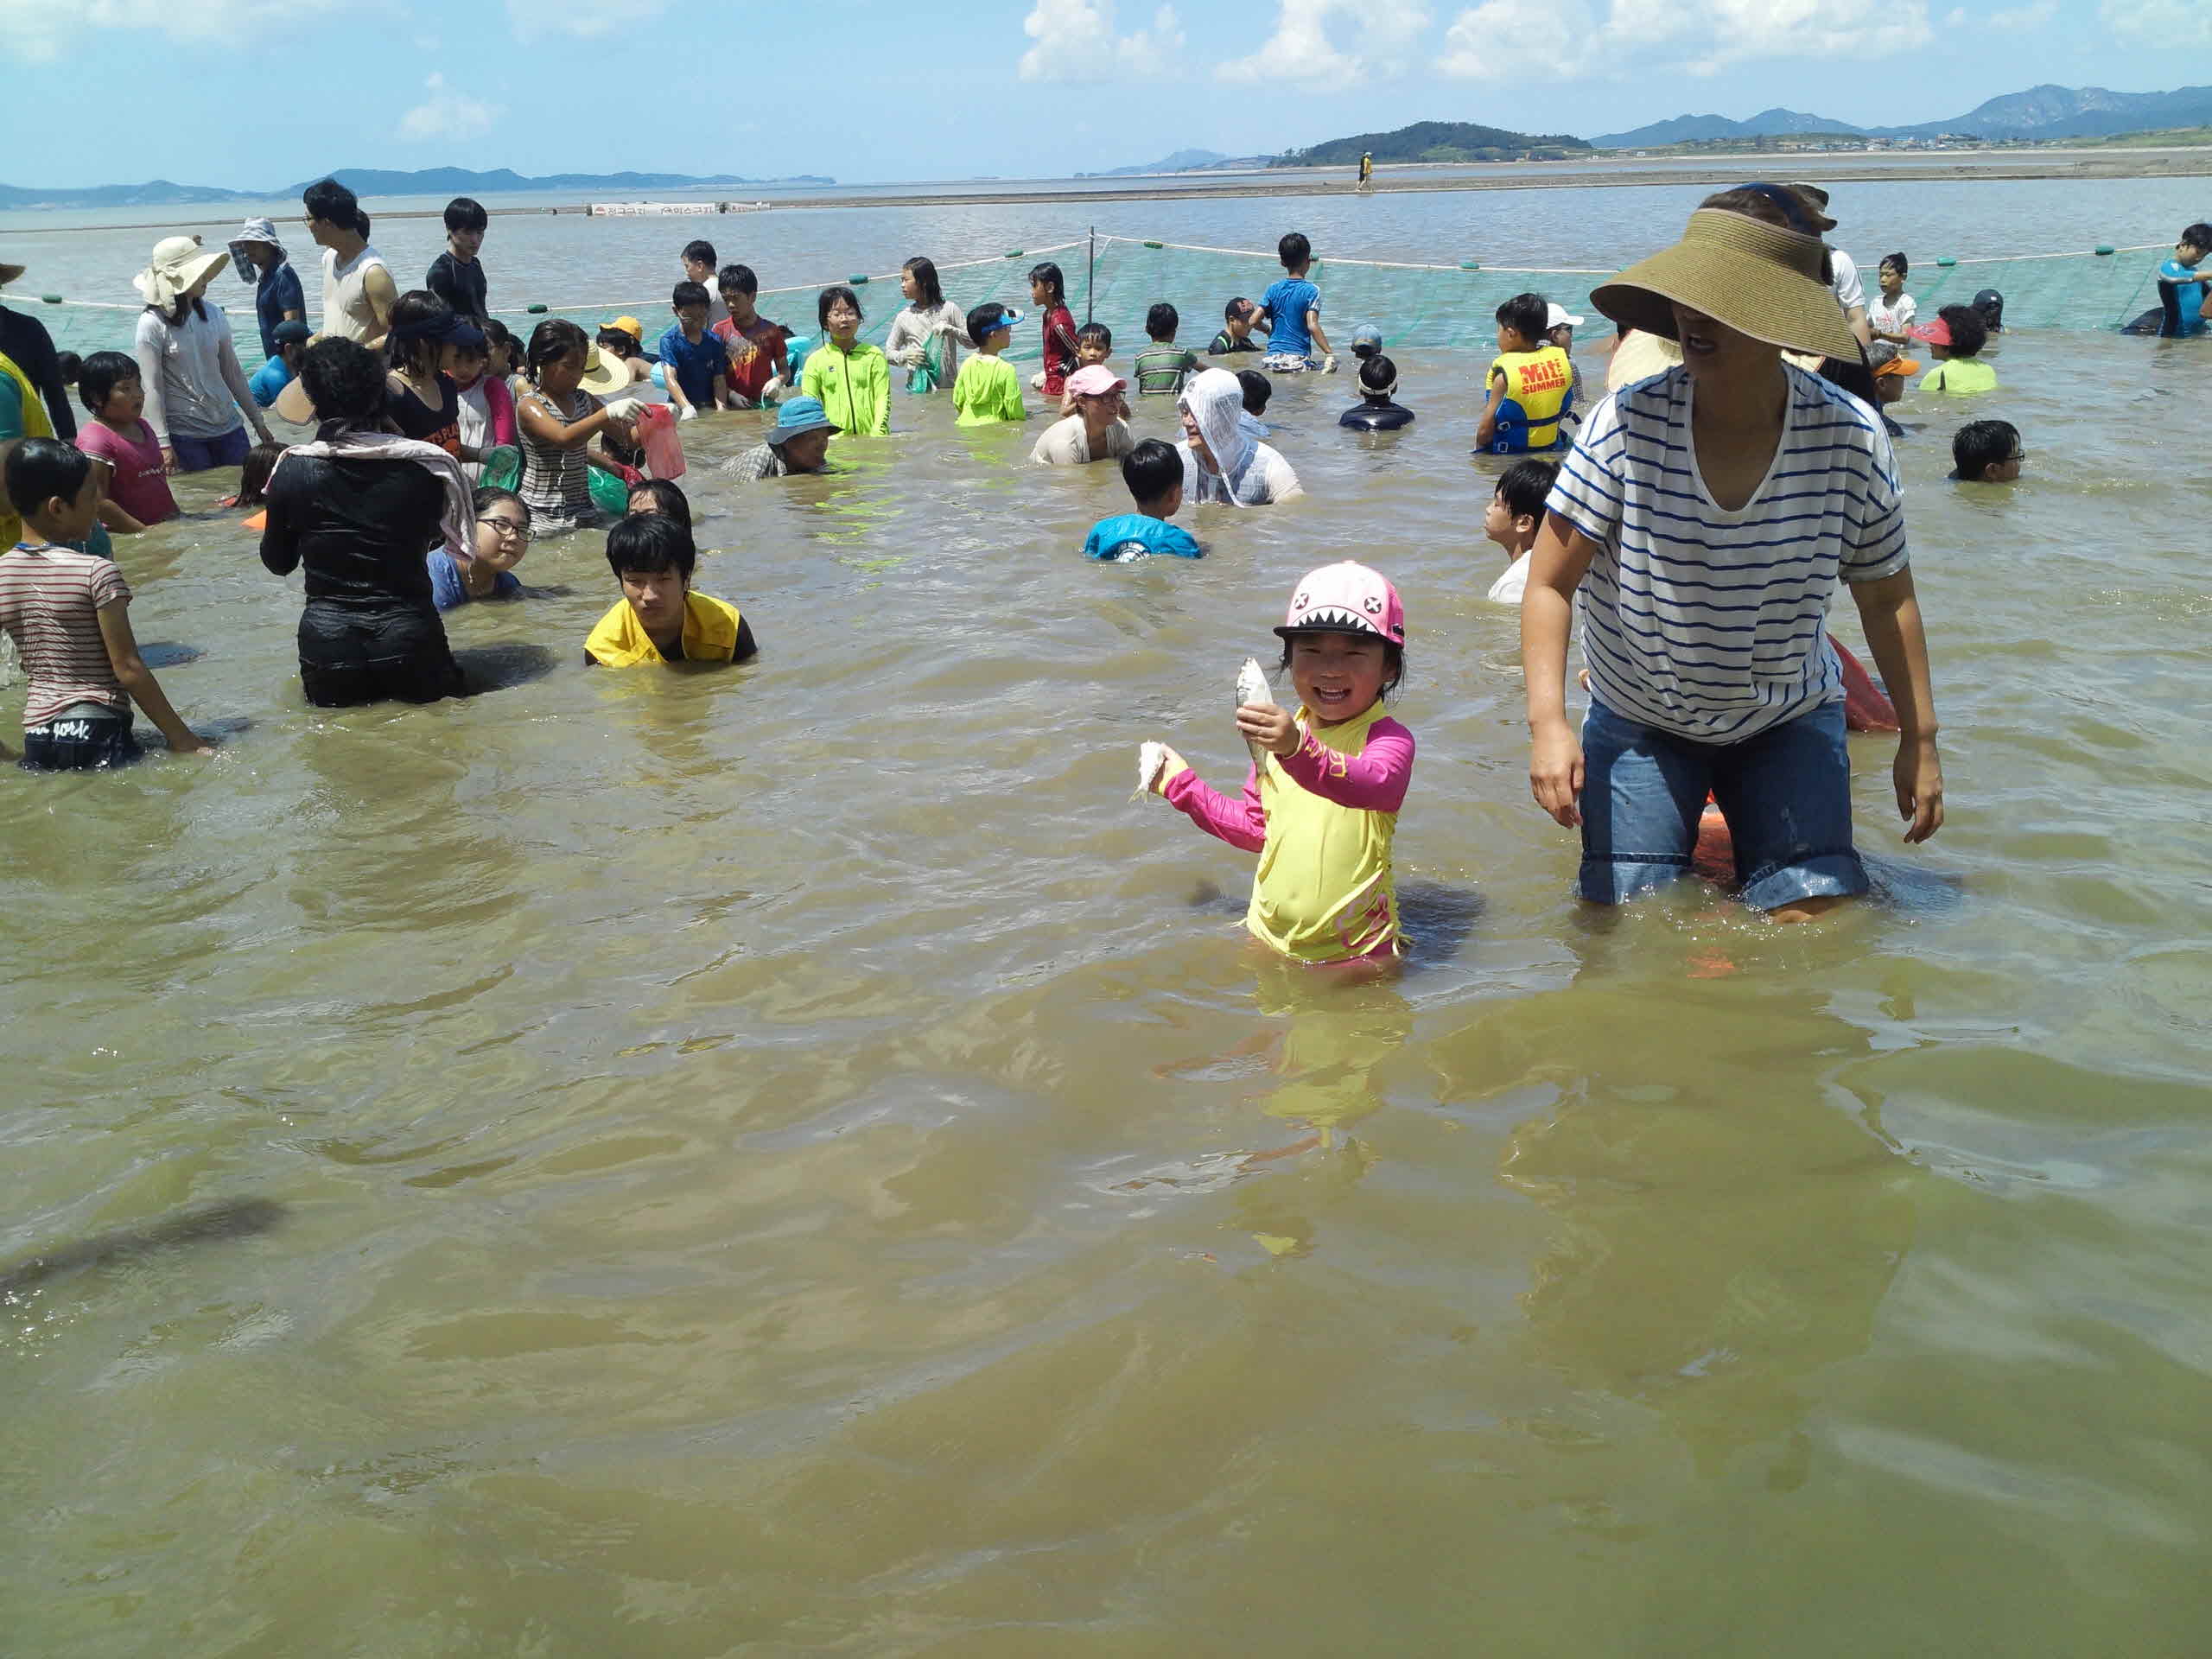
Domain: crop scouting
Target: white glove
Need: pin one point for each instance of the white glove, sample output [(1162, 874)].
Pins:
[(1329, 363), (625, 409), (690, 412)]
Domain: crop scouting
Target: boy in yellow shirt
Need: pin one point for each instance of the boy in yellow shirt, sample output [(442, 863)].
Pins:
[(658, 619)]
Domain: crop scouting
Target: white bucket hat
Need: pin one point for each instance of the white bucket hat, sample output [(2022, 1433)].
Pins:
[(254, 230), (178, 262)]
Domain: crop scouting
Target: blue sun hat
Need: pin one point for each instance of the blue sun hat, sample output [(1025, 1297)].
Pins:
[(798, 416)]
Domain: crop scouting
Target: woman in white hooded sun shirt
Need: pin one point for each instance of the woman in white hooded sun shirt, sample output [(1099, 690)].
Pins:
[(1221, 462)]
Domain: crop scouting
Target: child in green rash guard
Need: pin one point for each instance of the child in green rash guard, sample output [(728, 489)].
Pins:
[(849, 377), (1236, 334), (1955, 340), (989, 390)]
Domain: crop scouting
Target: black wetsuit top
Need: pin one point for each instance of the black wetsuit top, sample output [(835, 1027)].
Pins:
[(1375, 417)]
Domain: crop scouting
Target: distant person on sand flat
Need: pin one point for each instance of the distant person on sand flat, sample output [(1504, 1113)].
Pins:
[(1366, 169)]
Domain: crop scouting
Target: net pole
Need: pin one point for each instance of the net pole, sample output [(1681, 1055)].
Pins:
[(1090, 278)]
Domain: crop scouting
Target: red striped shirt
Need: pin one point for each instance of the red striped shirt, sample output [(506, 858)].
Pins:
[(50, 598)]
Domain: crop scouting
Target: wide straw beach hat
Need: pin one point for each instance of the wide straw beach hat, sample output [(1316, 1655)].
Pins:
[(178, 264), (1757, 279), (605, 374)]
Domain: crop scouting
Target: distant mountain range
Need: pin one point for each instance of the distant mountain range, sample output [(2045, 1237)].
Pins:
[(1183, 160), (371, 181), (2041, 113)]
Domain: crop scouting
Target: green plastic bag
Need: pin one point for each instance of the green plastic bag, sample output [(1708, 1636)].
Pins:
[(502, 467), (608, 492), (929, 375)]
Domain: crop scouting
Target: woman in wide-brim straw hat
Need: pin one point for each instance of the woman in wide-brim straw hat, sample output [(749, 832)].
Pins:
[(195, 390), (1706, 515)]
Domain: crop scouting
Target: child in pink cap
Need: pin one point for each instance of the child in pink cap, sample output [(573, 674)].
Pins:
[(1321, 803)]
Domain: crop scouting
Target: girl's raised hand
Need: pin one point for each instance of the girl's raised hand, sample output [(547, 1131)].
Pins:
[(1269, 725)]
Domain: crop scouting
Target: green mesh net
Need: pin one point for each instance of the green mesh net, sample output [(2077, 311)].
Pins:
[(1441, 306)]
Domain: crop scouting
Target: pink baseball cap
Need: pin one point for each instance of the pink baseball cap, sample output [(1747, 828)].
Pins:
[(1347, 598), (1937, 333), (1096, 380)]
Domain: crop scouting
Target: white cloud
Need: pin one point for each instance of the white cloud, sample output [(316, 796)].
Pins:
[(2169, 24), (1075, 41), (2032, 15), (38, 30), (587, 22), (1646, 37), (1372, 41), (447, 115), (1484, 41)]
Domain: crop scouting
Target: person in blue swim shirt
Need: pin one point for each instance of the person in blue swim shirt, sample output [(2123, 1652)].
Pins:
[(1153, 472), (2181, 283)]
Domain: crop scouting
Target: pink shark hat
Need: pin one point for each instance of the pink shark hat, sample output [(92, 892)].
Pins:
[(1347, 598)]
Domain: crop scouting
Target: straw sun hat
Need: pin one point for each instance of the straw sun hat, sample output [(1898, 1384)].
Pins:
[(178, 262), (1757, 279)]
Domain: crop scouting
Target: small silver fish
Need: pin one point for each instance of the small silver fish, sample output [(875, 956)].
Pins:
[(1152, 760), (1252, 687)]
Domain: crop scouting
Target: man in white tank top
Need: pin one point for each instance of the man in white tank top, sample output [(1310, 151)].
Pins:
[(356, 287)]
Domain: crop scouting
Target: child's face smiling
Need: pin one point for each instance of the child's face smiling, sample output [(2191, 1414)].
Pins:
[(1337, 676)]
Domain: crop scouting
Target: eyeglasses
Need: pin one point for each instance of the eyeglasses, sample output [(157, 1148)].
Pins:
[(507, 527), (2018, 455)]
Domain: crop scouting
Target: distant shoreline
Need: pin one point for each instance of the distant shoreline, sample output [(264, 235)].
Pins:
[(1945, 167)]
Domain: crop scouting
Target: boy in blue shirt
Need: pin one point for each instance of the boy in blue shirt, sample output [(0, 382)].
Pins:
[(1153, 472), (2181, 284), (283, 364), (1291, 313), (696, 362)]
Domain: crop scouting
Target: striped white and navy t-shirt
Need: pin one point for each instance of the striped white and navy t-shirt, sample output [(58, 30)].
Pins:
[(1712, 624), (50, 601)]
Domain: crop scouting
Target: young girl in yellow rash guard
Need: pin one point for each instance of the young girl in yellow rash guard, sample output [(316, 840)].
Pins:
[(1321, 808)]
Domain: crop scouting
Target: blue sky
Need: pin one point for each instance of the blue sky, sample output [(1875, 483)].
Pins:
[(263, 93)]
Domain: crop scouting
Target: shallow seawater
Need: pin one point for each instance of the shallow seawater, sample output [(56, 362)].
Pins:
[(794, 1159)]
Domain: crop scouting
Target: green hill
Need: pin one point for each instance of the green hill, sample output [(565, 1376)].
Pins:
[(1436, 140)]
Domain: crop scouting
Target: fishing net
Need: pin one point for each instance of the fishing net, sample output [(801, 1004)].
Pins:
[(1442, 306)]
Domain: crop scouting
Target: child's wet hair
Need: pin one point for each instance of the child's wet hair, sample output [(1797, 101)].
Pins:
[(829, 298), (1151, 469), (417, 305), (1095, 333), (41, 469), (648, 543), (1257, 389), (1049, 274), (667, 497), (1969, 333), (1526, 485), (100, 374), (1526, 315), (1295, 250), (685, 294), (737, 279), (2198, 235), (1236, 308), (551, 341), (1897, 263), (489, 495), (699, 253), (253, 474), (1377, 374), (463, 214), (1161, 321), (498, 337), (69, 365), (1978, 445), (620, 341), (927, 290)]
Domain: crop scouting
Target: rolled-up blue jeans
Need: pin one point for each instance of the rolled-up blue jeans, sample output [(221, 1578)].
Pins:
[(1786, 793)]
